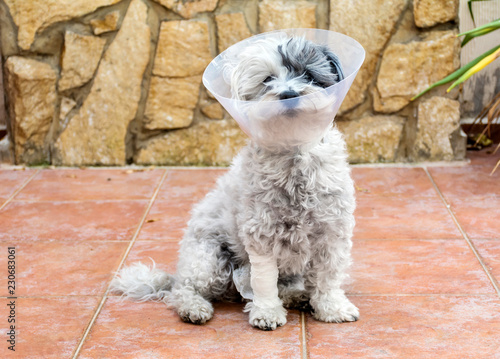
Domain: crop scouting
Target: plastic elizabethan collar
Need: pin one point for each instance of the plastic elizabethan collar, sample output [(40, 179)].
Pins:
[(267, 122)]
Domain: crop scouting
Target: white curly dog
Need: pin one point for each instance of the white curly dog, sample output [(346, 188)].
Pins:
[(277, 228)]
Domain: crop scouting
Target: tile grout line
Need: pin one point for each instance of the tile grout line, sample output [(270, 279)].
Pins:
[(124, 257), (80, 241), (19, 190), (81, 200), (303, 334), (464, 234)]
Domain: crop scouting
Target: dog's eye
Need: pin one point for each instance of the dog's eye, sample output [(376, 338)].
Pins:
[(267, 79), (307, 76)]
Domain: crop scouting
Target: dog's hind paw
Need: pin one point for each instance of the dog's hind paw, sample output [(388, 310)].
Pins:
[(266, 318), (197, 311)]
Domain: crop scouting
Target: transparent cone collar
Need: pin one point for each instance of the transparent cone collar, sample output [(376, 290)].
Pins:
[(282, 123)]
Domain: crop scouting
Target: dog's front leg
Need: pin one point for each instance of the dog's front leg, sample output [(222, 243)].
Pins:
[(266, 310), (323, 280)]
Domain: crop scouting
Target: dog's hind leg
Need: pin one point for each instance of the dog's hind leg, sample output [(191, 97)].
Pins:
[(203, 274), (204, 269)]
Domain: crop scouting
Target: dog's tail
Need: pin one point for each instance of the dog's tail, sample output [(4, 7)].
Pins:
[(142, 283)]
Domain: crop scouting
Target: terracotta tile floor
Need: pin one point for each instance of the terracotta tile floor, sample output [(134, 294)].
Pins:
[(425, 275)]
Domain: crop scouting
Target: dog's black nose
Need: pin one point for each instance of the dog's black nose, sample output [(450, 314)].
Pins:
[(285, 95)]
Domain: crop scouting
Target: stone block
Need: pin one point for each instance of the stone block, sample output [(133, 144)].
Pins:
[(80, 58), (432, 12), (96, 134), (407, 69), (373, 139), (438, 120), (31, 89), (281, 14), (389, 104), (231, 28), (34, 16), (106, 24), (183, 49), (188, 9), (213, 111), (371, 23), (212, 143), (67, 105), (171, 102)]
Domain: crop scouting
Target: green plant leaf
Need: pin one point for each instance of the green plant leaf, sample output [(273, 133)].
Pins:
[(495, 24), (455, 75), (469, 4), (476, 68), (482, 32)]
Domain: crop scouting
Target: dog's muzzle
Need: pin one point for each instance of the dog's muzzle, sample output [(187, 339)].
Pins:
[(291, 98)]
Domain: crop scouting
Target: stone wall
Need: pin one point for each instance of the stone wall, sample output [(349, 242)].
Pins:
[(109, 82)]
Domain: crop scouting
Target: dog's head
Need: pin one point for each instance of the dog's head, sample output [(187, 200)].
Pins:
[(282, 69), (277, 82)]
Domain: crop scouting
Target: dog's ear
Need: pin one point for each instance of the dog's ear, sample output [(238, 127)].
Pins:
[(335, 64), (231, 74)]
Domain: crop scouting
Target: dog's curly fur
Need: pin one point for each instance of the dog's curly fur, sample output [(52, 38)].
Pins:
[(294, 206)]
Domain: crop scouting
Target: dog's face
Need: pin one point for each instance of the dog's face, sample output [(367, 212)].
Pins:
[(281, 69), (272, 77)]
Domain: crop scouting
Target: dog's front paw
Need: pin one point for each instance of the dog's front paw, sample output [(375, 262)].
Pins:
[(197, 310), (337, 309), (266, 318)]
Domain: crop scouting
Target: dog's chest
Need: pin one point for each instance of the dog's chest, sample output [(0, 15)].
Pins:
[(292, 200), (287, 205), (293, 207)]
